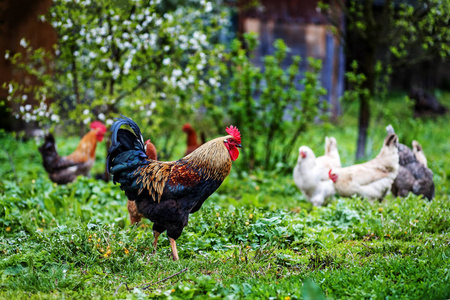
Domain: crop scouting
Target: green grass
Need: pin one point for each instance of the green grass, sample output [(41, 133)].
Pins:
[(256, 237)]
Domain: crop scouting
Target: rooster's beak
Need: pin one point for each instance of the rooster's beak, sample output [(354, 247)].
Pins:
[(239, 145)]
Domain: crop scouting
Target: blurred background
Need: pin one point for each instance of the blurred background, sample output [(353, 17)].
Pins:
[(274, 68)]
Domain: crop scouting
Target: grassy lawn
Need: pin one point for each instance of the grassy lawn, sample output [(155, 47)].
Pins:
[(256, 237)]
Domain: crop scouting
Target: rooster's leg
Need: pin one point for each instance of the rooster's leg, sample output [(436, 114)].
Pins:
[(155, 241), (173, 245)]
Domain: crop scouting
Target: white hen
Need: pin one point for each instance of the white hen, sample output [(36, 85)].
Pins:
[(331, 158), (371, 179), (311, 178)]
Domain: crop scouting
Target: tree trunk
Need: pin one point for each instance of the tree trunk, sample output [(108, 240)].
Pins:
[(364, 118), (364, 101)]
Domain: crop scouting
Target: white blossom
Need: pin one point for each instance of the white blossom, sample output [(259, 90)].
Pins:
[(102, 31), (166, 61), (28, 107), (177, 72), (109, 122), (208, 7), (127, 66), (54, 118), (23, 43), (116, 73), (101, 116), (86, 111)]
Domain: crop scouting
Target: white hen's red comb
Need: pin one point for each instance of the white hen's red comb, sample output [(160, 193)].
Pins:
[(233, 131)]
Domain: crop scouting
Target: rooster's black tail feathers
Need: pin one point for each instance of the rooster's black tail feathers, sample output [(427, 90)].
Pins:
[(127, 149)]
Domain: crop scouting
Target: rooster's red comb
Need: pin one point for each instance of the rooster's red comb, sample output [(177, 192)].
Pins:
[(233, 131), (186, 126), (98, 125)]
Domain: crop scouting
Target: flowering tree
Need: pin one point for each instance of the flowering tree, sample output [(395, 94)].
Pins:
[(133, 57)]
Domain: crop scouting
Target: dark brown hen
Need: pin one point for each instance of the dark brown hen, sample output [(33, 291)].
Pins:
[(63, 170)]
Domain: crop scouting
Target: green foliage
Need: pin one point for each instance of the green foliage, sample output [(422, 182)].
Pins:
[(272, 106), (385, 37), (256, 237), (356, 88)]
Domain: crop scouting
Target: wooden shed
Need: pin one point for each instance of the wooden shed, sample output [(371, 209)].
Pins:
[(305, 31)]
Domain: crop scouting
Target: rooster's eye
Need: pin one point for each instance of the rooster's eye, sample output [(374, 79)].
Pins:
[(226, 141)]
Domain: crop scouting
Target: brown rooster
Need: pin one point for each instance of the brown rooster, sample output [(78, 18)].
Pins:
[(167, 192), (192, 142), (135, 216), (65, 169)]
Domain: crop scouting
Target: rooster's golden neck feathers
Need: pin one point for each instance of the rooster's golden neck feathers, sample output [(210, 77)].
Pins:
[(212, 158)]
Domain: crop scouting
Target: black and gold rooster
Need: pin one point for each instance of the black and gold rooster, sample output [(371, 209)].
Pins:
[(167, 192)]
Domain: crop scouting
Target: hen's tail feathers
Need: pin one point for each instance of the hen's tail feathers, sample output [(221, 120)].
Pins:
[(418, 153), (416, 146), (330, 144), (391, 140), (49, 143), (48, 152), (127, 150), (390, 129)]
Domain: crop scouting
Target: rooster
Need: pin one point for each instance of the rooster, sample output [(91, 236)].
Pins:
[(167, 192), (192, 142), (135, 216), (413, 174), (331, 157), (311, 178), (63, 170), (372, 179)]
